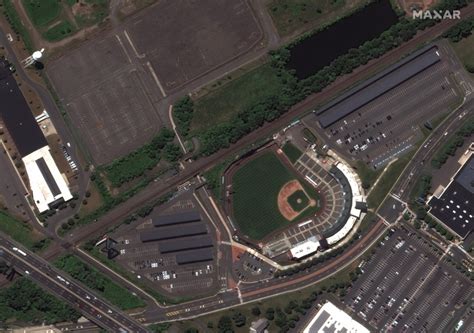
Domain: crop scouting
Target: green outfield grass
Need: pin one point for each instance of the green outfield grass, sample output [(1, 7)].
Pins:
[(292, 152), (255, 191)]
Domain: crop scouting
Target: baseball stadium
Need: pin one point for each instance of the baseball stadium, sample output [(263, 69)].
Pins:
[(286, 203)]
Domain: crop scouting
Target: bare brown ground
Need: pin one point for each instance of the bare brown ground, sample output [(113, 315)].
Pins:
[(285, 208)]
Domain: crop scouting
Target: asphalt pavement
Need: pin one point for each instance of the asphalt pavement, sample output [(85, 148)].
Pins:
[(57, 282)]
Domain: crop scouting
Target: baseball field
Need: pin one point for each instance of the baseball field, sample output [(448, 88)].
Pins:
[(268, 195)]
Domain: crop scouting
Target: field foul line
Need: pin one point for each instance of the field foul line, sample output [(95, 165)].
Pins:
[(152, 71), (141, 56)]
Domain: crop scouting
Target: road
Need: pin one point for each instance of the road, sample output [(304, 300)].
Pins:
[(160, 188), (75, 294), (55, 281)]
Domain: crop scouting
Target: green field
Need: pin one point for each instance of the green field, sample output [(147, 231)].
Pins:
[(22, 233), (255, 191), (465, 51), (292, 152), (298, 200), (59, 31), (42, 12), (221, 105), (91, 277), (290, 16)]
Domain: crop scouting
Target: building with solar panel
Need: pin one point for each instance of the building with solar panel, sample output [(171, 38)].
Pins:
[(48, 186), (454, 207)]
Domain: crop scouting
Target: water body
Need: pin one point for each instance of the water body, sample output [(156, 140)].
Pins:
[(319, 50)]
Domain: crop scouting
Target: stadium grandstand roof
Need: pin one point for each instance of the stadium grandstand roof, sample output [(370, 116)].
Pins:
[(378, 85)]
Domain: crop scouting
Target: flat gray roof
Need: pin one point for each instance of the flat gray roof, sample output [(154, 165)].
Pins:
[(186, 217), (465, 177), (188, 243), (199, 255), (155, 234), (378, 85)]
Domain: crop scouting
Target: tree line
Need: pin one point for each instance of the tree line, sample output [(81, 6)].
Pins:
[(294, 90)]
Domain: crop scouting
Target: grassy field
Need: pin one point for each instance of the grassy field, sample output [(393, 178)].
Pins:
[(42, 12), (22, 232), (95, 280), (59, 31), (292, 152), (465, 51), (291, 16), (223, 104), (386, 182), (367, 175), (255, 191), (90, 12)]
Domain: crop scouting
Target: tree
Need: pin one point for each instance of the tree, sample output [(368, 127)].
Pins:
[(225, 325), (256, 311)]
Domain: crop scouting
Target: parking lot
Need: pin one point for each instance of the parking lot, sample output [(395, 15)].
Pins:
[(185, 39), (158, 263), (249, 268), (407, 286), (107, 98), (389, 126)]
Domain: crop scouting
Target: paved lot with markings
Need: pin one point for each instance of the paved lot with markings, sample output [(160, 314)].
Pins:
[(408, 286), (389, 126)]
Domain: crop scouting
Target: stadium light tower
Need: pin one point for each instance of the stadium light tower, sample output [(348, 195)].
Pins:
[(35, 57)]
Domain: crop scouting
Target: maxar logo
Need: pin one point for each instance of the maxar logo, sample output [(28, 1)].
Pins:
[(436, 15)]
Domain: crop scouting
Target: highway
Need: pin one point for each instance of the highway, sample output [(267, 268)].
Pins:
[(97, 310), (55, 281)]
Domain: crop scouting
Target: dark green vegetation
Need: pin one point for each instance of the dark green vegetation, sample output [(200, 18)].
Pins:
[(290, 90), (25, 302), (145, 158), (292, 152), (183, 115), (367, 175), (308, 135), (462, 30), (421, 189), (283, 312), (15, 22), (224, 104), (59, 31), (450, 147), (298, 200), (95, 280), (110, 201), (22, 233), (462, 39), (42, 12), (214, 178), (293, 15), (255, 189)]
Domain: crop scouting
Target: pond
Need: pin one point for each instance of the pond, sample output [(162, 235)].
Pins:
[(320, 49)]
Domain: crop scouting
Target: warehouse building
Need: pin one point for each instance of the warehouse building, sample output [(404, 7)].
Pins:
[(454, 207), (48, 186)]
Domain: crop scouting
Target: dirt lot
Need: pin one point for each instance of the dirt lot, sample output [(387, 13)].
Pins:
[(186, 39)]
